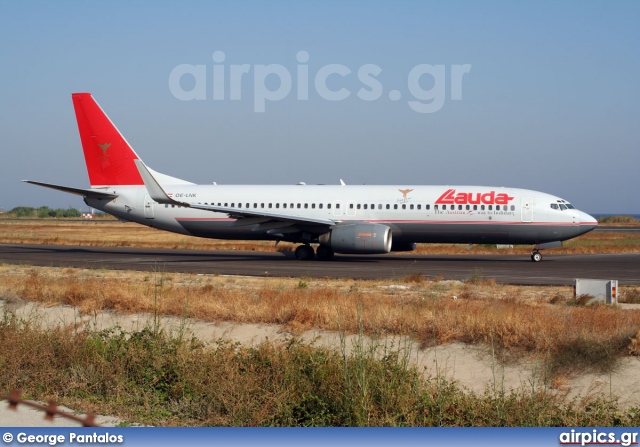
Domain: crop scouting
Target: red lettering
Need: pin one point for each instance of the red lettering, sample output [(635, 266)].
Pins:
[(447, 197), (503, 199), (489, 198), (463, 198)]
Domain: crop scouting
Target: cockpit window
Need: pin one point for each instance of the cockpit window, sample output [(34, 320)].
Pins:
[(571, 207), (554, 206), (563, 207)]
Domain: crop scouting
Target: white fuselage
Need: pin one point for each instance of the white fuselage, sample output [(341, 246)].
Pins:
[(456, 214)]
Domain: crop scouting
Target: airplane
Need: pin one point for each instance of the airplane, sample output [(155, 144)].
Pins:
[(343, 219)]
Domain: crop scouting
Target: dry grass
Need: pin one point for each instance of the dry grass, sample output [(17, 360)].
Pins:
[(619, 221), (513, 319), (152, 378), (117, 234)]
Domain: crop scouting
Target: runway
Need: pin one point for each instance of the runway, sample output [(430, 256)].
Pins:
[(507, 269)]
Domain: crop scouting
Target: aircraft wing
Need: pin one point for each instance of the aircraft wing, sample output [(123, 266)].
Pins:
[(245, 216), (77, 191)]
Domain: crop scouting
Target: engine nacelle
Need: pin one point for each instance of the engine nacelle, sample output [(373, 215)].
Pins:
[(403, 246), (358, 239)]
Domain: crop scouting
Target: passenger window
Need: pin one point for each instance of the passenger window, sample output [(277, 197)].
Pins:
[(299, 205), (277, 205), (247, 205), (262, 205), (379, 206), (365, 206), (490, 207), (444, 207), (395, 207), (419, 206), (482, 207), (435, 207), (410, 207), (306, 205), (270, 205), (404, 207), (358, 207), (337, 206), (233, 205), (497, 207), (427, 207), (468, 207), (255, 205), (313, 206), (351, 206), (328, 206), (513, 207), (388, 206), (459, 207), (284, 205), (320, 205)]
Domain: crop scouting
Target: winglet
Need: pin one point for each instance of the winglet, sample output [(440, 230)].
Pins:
[(153, 187)]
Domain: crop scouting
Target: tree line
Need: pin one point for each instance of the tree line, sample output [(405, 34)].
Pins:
[(44, 211)]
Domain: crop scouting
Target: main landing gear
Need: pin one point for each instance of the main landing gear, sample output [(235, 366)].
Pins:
[(305, 253)]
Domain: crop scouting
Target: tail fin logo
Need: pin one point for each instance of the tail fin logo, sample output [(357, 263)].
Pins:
[(104, 148)]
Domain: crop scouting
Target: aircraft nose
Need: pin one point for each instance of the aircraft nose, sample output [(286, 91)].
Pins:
[(587, 220)]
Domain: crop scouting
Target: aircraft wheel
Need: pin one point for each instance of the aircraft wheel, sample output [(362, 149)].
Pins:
[(536, 256), (324, 253), (304, 253)]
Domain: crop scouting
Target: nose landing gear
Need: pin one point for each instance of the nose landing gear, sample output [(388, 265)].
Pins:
[(536, 256)]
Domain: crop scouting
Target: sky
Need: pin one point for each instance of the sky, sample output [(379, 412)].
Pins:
[(541, 95)]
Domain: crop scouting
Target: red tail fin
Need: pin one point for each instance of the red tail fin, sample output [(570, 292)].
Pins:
[(108, 156)]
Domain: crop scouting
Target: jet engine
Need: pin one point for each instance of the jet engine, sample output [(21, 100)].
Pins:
[(358, 238)]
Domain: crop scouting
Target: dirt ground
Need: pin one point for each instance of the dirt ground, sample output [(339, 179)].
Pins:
[(473, 367)]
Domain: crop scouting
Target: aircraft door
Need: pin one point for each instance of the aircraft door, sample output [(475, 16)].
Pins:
[(148, 207), (351, 208), (337, 208), (527, 209)]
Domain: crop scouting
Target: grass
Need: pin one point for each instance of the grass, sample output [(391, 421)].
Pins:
[(619, 220), (516, 321), (151, 377), (117, 234)]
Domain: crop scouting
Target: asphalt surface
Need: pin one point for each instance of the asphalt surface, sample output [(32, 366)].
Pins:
[(508, 269)]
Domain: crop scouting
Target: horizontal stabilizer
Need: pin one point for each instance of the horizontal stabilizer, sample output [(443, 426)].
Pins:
[(77, 191)]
